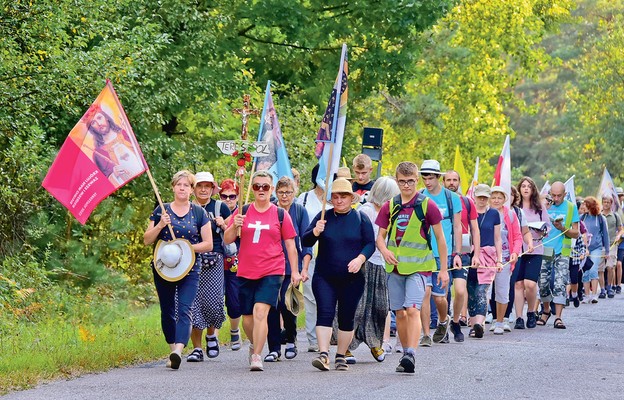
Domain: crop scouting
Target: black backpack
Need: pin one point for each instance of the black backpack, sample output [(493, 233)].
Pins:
[(417, 207)]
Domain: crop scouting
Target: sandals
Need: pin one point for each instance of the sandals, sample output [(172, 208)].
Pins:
[(476, 331), (341, 364), (541, 321), (273, 356), (291, 352), (212, 347), (559, 324)]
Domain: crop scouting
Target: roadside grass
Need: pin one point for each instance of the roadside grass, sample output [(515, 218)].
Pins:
[(33, 353)]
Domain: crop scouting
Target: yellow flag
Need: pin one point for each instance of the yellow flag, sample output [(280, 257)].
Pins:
[(459, 167)]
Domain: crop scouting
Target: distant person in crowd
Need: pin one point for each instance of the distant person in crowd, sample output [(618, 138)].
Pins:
[(229, 195), (491, 261), (598, 246), (362, 169), (285, 191), (470, 254), (529, 265), (208, 308), (345, 241), (554, 275), (614, 225), (261, 260), (190, 222)]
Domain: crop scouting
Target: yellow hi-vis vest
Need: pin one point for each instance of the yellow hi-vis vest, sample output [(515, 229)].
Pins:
[(413, 253), (567, 242)]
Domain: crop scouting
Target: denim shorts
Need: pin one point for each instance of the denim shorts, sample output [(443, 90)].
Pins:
[(407, 291), (264, 290), (436, 289), (592, 273)]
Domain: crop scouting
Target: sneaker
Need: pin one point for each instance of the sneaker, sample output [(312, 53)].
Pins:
[(458, 336), (175, 360), (235, 340), (603, 294), (519, 323), (610, 293), (594, 300), (256, 363), (398, 347), (492, 327), (576, 302), (506, 326), (498, 328), (197, 355), (426, 341), (531, 320), (378, 353), (321, 362), (441, 332), (406, 364), (212, 347), (478, 331), (618, 289), (586, 300), (313, 348), (350, 357), (489, 318)]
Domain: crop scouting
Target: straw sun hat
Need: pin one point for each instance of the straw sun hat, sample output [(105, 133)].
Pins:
[(341, 185)]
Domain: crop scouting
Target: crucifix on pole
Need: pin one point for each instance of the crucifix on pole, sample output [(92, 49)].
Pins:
[(245, 112)]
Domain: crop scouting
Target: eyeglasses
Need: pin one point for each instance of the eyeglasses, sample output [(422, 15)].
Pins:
[(228, 197), (258, 187), (409, 182), (281, 193)]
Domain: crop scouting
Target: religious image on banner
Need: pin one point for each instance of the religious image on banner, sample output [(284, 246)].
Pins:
[(99, 156)]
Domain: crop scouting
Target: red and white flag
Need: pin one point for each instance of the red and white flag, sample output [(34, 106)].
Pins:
[(502, 176), (100, 155)]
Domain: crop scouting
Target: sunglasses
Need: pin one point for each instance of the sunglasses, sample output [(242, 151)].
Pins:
[(258, 187), (228, 196)]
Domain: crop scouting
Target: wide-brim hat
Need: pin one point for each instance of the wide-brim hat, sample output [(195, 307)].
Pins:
[(344, 172), (430, 167), (207, 177), (173, 259), (341, 185), (619, 190), (499, 189), (293, 299), (482, 190)]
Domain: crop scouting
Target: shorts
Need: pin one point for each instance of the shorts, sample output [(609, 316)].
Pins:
[(407, 291), (620, 255), (529, 267), (611, 259), (436, 288), (462, 273), (592, 273), (264, 290)]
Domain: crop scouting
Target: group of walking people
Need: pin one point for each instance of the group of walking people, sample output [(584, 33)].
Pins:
[(375, 255)]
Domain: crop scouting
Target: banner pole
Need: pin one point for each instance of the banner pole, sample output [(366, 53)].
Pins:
[(327, 176), (253, 170), (160, 203)]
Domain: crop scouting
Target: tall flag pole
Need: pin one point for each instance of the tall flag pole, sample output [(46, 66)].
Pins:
[(332, 130), (475, 180), (607, 188), (100, 155), (458, 166), (545, 188), (502, 175)]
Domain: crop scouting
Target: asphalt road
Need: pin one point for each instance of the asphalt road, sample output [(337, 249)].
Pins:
[(585, 361)]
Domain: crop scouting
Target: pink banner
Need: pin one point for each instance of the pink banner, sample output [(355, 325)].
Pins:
[(100, 155)]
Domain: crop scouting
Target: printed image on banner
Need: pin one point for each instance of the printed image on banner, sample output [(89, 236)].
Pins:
[(100, 155)]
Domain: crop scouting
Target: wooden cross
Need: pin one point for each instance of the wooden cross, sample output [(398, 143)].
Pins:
[(245, 112)]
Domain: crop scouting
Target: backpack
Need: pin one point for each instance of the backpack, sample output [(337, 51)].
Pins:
[(417, 207), (229, 250)]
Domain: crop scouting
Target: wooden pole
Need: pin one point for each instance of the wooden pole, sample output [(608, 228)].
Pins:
[(253, 170), (160, 203), (327, 176), (240, 199)]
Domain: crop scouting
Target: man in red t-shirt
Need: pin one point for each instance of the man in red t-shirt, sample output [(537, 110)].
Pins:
[(261, 262), (469, 254)]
